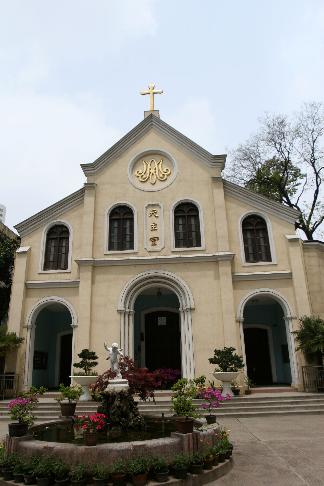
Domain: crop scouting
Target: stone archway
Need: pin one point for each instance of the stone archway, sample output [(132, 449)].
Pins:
[(31, 327), (287, 317), (163, 279)]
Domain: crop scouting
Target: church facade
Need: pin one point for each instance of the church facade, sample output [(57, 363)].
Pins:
[(159, 253)]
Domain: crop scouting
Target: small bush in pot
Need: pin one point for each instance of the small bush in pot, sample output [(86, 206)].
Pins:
[(183, 406), (18, 471), (69, 398), (212, 398), (180, 466), (29, 470), (78, 475), (160, 470), (100, 474), (138, 469), (196, 463), (44, 471), (226, 360), (8, 464), (88, 361), (61, 472), (21, 410), (118, 472)]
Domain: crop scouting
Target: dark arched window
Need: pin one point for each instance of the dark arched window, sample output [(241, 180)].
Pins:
[(57, 248), (186, 226), (256, 239), (121, 229)]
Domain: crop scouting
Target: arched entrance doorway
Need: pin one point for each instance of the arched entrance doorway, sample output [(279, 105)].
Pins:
[(267, 353), (170, 286), (49, 344), (157, 334)]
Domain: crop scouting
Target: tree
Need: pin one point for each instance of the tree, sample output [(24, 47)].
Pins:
[(285, 162), (8, 246), (9, 341), (310, 337)]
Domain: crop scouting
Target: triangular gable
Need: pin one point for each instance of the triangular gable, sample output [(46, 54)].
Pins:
[(261, 202), (152, 121)]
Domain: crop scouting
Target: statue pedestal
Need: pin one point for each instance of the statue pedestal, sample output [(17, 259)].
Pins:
[(116, 385)]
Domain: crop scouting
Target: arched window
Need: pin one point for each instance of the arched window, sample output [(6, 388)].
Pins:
[(121, 229), (57, 248), (256, 239), (186, 226)]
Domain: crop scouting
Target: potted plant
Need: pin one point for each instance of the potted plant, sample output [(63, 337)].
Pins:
[(44, 471), (90, 425), (87, 377), (21, 409), (61, 473), (70, 394), (18, 471), (100, 474), (78, 475), (228, 364), (208, 458), (235, 388), (213, 398), (29, 470), (8, 464), (196, 463), (180, 466), (118, 472), (160, 470), (248, 384), (183, 406), (138, 469)]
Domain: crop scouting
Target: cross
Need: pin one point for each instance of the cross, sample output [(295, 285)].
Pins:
[(151, 91)]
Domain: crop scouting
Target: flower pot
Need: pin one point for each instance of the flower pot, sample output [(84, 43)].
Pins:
[(43, 481), (84, 381), (61, 482), (118, 478), (184, 425), (226, 377), (17, 429), (139, 479), (161, 476), (68, 408), (79, 482), (221, 456), (180, 473), (18, 478), (196, 468), (236, 392), (90, 438), (210, 419), (7, 474), (99, 482), (248, 391), (208, 463), (29, 479), (215, 460)]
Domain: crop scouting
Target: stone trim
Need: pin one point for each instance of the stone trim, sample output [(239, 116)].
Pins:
[(138, 131), (152, 260), (285, 274), (313, 245), (52, 284), (29, 225), (260, 202)]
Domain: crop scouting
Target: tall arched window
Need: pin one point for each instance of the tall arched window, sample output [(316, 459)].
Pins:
[(121, 229), (256, 239), (186, 226), (57, 248)]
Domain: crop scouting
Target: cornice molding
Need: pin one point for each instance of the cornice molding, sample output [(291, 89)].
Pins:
[(261, 202), (141, 129), (311, 245), (279, 275), (52, 284), (23, 249), (53, 211), (209, 257)]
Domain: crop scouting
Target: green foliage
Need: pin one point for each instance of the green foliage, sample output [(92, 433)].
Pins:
[(100, 471), (88, 361), (182, 399), (226, 360), (119, 467), (60, 470), (139, 465), (71, 393), (121, 409), (196, 459), (9, 341), (181, 462), (78, 472), (45, 467), (8, 247), (158, 464), (310, 336)]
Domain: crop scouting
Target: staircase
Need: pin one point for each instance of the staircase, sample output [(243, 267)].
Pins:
[(264, 403)]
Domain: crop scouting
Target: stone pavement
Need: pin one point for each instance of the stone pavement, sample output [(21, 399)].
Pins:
[(276, 451)]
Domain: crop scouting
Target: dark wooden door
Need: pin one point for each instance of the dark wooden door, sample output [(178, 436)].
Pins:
[(162, 340), (65, 359), (258, 355)]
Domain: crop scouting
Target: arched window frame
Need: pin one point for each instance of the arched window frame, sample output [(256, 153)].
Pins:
[(201, 223), (270, 236), (43, 247), (106, 236)]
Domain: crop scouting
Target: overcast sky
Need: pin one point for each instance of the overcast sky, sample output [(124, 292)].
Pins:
[(71, 71)]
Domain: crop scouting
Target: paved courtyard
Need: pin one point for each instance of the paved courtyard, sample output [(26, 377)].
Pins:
[(276, 451)]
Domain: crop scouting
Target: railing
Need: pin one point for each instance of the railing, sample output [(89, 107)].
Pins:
[(8, 385), (313, 378)]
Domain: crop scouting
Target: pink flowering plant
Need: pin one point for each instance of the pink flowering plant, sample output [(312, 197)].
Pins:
[(21, 409), (90, 423), (213, 398)]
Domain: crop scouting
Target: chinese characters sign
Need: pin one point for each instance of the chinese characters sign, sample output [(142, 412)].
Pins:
[(154, 231)]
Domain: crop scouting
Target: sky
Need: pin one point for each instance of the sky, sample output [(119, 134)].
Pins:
[(71, 72)]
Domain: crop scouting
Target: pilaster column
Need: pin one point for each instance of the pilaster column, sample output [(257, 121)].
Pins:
[(299, 277), (295, 378), (83, 334), (231, 334), (220, 214)]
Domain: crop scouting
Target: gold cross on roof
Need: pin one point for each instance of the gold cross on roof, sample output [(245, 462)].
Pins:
[(151, 91)]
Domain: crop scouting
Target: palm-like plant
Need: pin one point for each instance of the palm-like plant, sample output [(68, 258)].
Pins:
[(310, 336)]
